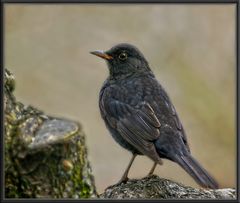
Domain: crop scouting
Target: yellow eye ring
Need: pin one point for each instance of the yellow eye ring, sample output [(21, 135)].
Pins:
[(123, 56)]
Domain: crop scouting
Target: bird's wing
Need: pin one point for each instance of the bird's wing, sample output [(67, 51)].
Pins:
[(173, 114), (138, 125)]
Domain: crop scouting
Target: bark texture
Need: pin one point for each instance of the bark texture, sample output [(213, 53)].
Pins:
[(153, 187), (44, 156)]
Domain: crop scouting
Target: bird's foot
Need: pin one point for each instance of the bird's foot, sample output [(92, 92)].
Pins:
[(122, 180), (150, 174)]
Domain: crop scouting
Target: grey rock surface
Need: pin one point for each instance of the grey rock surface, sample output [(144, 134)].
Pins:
[(154, 187)]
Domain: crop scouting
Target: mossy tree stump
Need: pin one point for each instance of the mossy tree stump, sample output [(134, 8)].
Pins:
[(44, 156)]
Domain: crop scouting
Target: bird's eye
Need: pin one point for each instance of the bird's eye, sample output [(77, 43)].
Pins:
[(123, 56)]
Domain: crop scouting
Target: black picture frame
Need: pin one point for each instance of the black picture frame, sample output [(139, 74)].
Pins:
[(4, 2)]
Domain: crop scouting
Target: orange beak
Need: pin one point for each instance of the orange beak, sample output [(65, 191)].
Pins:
[(102, 54)]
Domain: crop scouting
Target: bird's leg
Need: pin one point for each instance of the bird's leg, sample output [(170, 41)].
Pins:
[(152, 169), (125, 175)]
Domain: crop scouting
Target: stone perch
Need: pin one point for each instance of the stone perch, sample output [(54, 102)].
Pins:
[(153, 187), (44, 156)]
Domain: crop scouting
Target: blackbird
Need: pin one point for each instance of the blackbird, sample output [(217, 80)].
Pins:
[(140, 115)]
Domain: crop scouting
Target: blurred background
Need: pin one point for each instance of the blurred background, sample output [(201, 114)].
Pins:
[(190, 48)]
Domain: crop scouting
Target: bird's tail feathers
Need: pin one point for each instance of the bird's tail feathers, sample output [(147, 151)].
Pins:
[(193, 168)]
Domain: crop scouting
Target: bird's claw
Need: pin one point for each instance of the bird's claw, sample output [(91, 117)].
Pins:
[(149, 174), (122, 180)]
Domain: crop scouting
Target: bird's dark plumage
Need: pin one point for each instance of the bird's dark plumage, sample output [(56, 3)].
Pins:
[(139, 114)]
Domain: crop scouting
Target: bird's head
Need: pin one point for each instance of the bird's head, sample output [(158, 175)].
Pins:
[(124, 60)]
